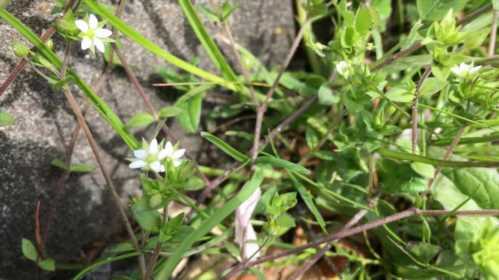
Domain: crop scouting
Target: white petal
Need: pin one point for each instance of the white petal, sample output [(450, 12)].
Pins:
[(86, 43), (250, 249), (153, 147), (178, 154), (163, 154), (93, 22), (245, 235), (103, 33), (82, 25), (157, 167), (99, 45), (169, 149), (137, 164), (140, 154)]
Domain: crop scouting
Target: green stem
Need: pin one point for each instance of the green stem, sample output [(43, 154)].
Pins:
[(135, 36), (438, 162)]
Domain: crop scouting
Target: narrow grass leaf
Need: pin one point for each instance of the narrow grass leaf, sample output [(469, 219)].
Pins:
[(218, 216), (209, 45), (438, 162), (281, 163), (135, 36), (75, 167), (309, 201), (226, 148), (100, 105)]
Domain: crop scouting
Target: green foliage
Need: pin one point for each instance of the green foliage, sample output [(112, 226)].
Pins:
[(73, 167), (226, 148), (140, 120), (6, 119), (361, 127), (29, 251)]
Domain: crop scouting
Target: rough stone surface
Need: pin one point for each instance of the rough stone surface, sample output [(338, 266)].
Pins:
[(80, 210)]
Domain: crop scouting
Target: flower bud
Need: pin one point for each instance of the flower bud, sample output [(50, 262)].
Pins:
[(20, 49)]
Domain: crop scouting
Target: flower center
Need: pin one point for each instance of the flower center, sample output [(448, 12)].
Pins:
[(90, 33), (151, 158)]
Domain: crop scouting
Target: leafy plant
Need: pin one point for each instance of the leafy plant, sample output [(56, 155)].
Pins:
[(392, 124)]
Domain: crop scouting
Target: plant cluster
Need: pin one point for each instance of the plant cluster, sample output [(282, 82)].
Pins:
[(386, 139)]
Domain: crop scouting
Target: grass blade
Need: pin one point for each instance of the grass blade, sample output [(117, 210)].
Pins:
[(226, 148), (100, 105), (309, 201), (209, 45), (135, 36), (218, 216)]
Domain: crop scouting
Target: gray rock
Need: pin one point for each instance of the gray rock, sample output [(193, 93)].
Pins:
[(79, 210)]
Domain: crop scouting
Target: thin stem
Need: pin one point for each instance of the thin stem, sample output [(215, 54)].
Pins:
[(343, 233), (135, 82), (433, 161), (300, 272), (493, 35), (448, 154), (415, 115), (260, 112), (93, 145)]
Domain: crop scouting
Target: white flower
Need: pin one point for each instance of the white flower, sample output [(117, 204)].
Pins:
[(149, 158), (92, 34), (245, 235), (464, 70), (344, 68), (172, 154), (152, 155)]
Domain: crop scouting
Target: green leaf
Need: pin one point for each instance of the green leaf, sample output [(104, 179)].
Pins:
[(227, 10), (170, 111), (226, 148), (281, 163), (166, 269), (383, 7), (171, 228), (326, 96), (137, 37), (431, 86), (74, 167), (191, 105), (480, 184), (209, 45), (398, 94), (99, 104), (47, 264), (282, 224), (437, 9), (363, 20), (309, 201), (424, 251), (423, 169), (311, 137), (280, 203), (6, 119), (476, 238), (29, 250), (149, 219), (140, 120)]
